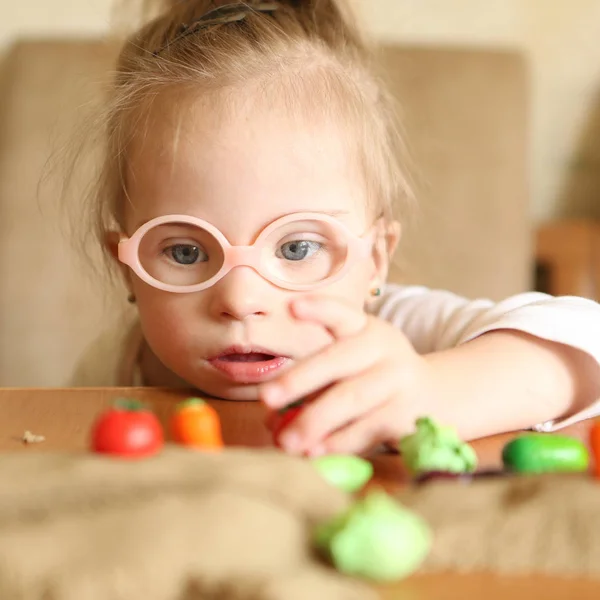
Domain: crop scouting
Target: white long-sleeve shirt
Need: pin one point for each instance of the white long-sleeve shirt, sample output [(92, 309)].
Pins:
[(432, 320)]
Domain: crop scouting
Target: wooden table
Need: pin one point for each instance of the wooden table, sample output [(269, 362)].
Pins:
[(64, 417)]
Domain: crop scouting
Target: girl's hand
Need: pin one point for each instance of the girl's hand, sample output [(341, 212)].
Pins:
[(367, 387)]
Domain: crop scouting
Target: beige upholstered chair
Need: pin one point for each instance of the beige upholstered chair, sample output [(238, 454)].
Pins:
[(466, 119)]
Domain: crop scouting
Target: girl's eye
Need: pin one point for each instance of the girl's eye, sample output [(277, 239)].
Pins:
[(185, 254), (298, 249)]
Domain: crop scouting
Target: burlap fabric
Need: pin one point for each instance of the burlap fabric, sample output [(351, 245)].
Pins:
[(513, 525), (181, 526)]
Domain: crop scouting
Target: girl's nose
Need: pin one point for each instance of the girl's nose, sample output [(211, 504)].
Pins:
[(241, 294)]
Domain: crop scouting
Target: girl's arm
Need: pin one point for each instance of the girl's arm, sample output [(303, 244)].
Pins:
[(481, 367), (533, 359), (520, 380)]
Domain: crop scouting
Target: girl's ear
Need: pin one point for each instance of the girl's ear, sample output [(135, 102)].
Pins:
[(388, 237), (392, 237), (111, 241)]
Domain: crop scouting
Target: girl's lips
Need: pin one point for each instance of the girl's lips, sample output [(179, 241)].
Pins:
[(249, 367)]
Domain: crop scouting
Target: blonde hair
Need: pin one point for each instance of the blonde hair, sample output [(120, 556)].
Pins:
[(301, 43)]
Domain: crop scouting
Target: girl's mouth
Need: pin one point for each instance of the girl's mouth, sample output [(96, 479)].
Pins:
[(248, 366), (250, 357)]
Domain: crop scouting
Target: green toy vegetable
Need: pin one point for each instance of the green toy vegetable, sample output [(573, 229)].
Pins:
[(346, 472), (544, 453), (376, 539), (436, 448)]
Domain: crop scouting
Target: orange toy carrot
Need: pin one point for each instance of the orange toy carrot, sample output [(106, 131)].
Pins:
[(197, 424), (595, 446)]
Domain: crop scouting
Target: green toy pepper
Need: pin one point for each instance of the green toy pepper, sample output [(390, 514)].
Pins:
[(346, 472)]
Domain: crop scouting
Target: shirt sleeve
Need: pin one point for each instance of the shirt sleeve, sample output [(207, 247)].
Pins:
[(438, 320)]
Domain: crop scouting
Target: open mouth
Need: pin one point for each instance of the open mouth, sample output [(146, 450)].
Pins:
[(247, 357), (248, 367)]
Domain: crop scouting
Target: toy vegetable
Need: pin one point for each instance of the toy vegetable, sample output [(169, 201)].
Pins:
[(129, 430), (346, 472), (196, 424), (544, 453), (436, 448), (286, 416), (377, 538)]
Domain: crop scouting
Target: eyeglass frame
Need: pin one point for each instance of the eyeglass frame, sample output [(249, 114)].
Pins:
[(234, 256)]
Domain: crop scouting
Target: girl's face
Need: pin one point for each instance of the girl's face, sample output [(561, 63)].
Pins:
[(240, 173)]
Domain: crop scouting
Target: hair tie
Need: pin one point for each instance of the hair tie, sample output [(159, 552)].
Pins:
[(221, 15)]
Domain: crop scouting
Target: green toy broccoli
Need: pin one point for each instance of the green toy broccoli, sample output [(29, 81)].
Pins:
[(376, 539), (436, 448)]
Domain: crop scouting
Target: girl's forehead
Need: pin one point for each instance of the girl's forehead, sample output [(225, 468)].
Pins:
[(244, 171)]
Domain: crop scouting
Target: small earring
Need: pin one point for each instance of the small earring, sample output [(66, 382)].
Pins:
[(376, 292), (131, 298)]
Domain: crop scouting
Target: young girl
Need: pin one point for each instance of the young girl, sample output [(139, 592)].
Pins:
[(247, 195)]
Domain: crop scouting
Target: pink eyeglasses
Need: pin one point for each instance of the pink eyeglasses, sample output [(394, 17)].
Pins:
[(302, 251)]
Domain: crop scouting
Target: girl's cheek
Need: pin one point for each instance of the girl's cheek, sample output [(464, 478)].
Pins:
[(164, 322), (158, 302)]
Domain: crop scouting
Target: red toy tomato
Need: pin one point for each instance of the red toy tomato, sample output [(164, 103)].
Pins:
[(286, 418), (129, 430)]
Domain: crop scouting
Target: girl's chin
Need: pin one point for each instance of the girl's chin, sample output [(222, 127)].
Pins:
[(238, 395), (234, 392)]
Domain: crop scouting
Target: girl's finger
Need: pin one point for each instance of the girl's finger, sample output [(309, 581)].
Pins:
[(336, 362), (340, 319), (362, 435), (337, 407)]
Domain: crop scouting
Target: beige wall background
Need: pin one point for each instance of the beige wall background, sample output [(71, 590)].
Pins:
[(561, 39)]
